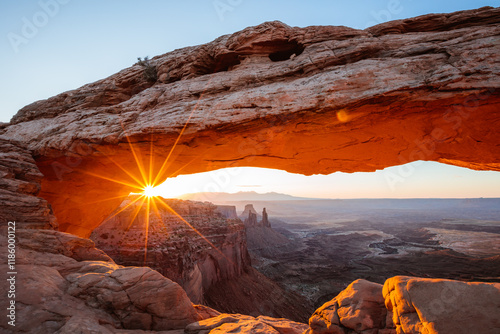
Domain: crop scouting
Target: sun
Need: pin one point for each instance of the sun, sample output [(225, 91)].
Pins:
[(149, 191), (146, 187)]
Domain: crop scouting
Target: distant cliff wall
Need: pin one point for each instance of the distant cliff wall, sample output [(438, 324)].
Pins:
[(228, 211), (197, 250)]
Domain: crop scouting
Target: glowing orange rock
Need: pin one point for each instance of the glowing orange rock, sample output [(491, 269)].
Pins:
[(307, 100)]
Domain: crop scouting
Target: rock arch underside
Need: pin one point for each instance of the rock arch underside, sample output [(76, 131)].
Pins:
[(312, 100)]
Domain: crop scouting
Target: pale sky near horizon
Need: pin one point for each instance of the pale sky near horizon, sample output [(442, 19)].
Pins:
[(51, 46)]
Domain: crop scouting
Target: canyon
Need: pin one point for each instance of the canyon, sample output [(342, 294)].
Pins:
[(317, 247), (195, 245), (308, 100)]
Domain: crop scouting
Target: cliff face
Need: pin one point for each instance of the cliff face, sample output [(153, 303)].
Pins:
[(251, 218), (248, 209), (306, 100), (228, 211), (199, 249), (20, 183)]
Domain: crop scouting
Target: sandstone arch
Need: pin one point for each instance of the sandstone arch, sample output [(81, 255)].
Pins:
[(347, 100)]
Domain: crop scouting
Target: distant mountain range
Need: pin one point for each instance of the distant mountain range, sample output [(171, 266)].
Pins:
[(241, 196)]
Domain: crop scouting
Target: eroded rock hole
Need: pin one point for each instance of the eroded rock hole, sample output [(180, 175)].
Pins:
[(287, 52), (226, 62)]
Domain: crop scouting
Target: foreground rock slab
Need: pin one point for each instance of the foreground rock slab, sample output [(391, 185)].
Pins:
[(411, 305), (64, 283), (359, 308), (237, 323), (420, 305)]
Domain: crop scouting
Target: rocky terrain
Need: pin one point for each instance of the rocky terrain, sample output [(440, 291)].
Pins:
[(195, 245), (19, 186), (308, 100), (409, 305), (262, 239), (330, 243), (65, 285)]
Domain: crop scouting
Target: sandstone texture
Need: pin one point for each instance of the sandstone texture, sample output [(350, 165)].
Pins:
[(20, 184), (66, 285), (237, 323), (420, 305), (358, 309), (308, 100), (410, 305)]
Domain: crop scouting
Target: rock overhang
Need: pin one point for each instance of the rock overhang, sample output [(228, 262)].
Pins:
[(332, 99)]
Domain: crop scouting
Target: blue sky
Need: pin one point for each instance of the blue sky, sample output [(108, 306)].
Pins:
[(51, 46)]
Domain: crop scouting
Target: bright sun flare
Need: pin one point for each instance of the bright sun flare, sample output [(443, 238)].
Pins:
[(149, 195), (149, 191)]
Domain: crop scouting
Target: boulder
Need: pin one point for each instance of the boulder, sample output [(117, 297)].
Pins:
[(65, 285), (439, 306), (357, 309)]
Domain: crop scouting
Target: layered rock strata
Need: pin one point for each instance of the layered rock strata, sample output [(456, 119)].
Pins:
[(306, 100), (195, 245), (189, 242), (20, 183)]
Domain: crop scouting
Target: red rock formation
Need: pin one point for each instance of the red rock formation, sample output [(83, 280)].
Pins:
[(237, 323), (411, 305), (265, 221), (433, 306), (203, 251), (250, 217), (251, 220), (20, 184), (64, 285), (248, 209), (359, 309), (254, 294), (196, 251), (306, 100)]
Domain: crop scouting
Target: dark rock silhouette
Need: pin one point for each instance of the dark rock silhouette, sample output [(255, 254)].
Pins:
[(265, 221)]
